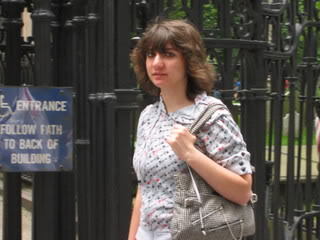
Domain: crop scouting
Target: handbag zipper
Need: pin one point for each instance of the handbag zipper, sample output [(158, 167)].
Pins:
[(209, 214), (225, 226)]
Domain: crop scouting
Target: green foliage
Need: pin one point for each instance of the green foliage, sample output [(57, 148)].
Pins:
[(176, 10), (317, 6), (210, 16), (285, 139), (210, 21), (210, 13)]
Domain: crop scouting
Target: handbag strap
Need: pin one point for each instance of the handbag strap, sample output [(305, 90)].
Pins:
[(197, 124), (204, 117), (194, 128)]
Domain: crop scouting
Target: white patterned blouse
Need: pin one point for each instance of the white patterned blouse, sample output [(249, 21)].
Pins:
[(155, 163)]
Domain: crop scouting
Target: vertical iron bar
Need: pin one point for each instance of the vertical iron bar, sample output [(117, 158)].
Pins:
[(291, 160), (67, 180), (278, 111), (127, 105), (65, 63), (13, 24), (310, 59), (56, 31), (299, 181), (107, 42), (108, 164), (42, 16), (95, 192), (196, 13), (113, 212), (291, 152), (45, 207), (102, 77), (80, 84), (112, 228), (12, 181), (225, 25), (66, 199), (309, 75), (123, 118), (122, 40), (45, 185), (254, 119), (123, 159), (96, 200), (255, 105), (299, 190)]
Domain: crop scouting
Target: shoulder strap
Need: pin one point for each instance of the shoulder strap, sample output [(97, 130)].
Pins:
[(197, 124), (204, 117)]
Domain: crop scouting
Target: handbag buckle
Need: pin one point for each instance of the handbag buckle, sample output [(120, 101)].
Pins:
[(254, 198)]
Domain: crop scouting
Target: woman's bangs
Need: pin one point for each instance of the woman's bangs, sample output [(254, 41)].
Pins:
[(158, 40)]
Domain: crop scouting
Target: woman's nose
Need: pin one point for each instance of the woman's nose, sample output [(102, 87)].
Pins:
[(158, 60)]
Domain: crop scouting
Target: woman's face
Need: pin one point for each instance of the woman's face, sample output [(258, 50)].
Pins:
[(167, 70)]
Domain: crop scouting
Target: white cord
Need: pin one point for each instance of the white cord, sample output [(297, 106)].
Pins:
[(195, 187), (229, 227)]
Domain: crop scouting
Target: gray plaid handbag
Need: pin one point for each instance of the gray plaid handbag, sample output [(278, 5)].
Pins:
[(200, 213)]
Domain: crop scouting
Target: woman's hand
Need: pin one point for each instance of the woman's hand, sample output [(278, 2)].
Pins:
[(181, 142), (234, 187)]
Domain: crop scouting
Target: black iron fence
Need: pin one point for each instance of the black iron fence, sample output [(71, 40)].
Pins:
[(267, 58)]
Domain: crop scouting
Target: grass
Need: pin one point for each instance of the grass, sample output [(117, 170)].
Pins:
[(285, 139)]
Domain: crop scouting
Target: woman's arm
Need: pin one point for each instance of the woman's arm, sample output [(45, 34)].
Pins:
[(135, 218), (236, 188)]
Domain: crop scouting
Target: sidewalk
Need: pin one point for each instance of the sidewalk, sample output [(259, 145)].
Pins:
[(303, 166), (26, 213)]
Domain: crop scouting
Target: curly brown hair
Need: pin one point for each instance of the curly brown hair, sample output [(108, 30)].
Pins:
[(183, 36)]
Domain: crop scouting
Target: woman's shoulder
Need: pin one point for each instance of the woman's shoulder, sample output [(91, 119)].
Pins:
[(204, 100), (149, 110)]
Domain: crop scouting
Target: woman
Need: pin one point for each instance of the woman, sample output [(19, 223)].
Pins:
[(170, 62)]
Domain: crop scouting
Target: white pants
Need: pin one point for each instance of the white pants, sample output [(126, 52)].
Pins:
[(144, 234)]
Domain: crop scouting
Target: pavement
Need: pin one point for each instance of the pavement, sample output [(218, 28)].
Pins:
[(26, 211), (303, 164)]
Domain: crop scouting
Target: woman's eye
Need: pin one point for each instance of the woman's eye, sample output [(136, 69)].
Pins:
[(169, 54), (150, 54)]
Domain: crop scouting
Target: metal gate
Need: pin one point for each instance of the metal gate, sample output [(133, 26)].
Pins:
[(266, 54)]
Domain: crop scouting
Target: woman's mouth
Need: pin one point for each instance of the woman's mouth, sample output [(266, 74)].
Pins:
[(159, 75)]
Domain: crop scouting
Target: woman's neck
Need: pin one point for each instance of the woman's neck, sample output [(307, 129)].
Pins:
[(174, 101)]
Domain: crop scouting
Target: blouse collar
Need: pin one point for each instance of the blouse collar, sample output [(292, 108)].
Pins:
[(181, 116)]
